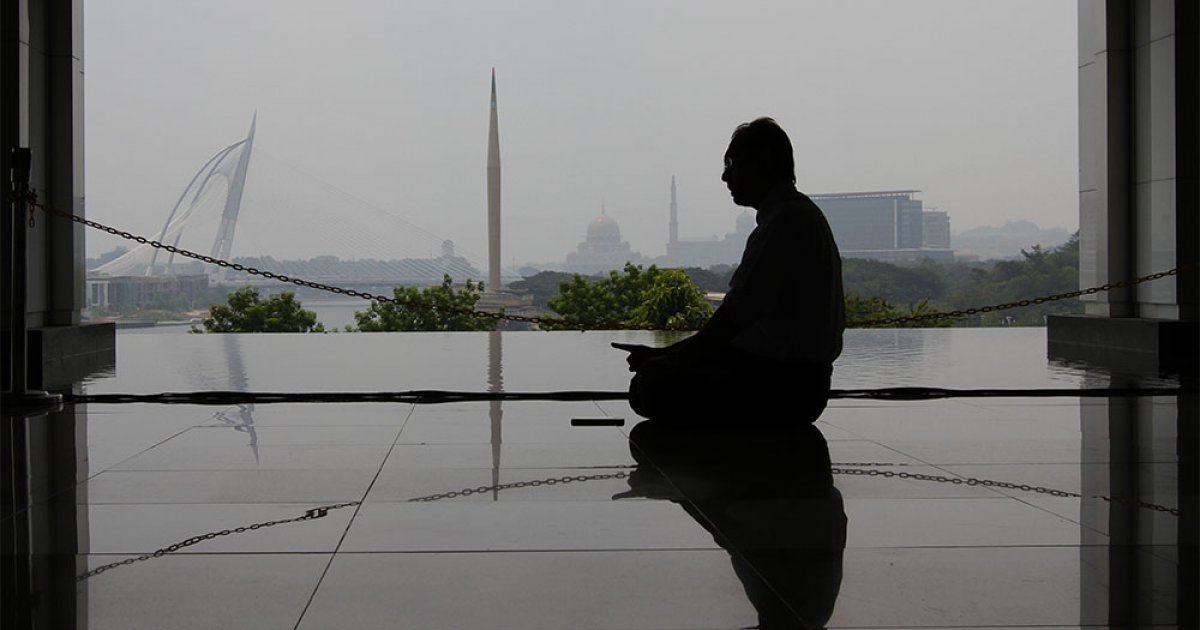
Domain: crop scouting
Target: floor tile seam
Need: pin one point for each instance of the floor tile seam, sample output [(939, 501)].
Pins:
[(483, 501), (850, 547), (428, 552), (1041, 463), (304, 504), (248, 502), (508, 442), (237, 470), (134, 554), (275, 425), (1066, 518), (600, 550), (503, 468), (329, 552), (145, 450), (350, 522), (967, 626), (84, 482), (902, 453), (286, 444), (835, 425)]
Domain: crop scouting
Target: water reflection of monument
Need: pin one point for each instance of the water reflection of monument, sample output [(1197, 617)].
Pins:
[(495, 383), (241, 417)]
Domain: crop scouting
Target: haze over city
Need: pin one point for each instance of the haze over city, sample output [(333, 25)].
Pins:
[(596, 102)]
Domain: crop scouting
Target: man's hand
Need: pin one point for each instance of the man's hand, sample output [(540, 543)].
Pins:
[(639, 354)]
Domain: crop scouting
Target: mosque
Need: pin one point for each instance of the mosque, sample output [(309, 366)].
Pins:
[(602, 250)]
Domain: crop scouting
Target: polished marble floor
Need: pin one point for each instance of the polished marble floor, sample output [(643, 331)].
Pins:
[(960, 513)]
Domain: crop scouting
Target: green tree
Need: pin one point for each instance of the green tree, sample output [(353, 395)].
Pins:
[(247, 312), (1038, 272), (542, 285), (860, 311), (910, 283), (671, 302), (707, 279), (432, 308), (637, 298)]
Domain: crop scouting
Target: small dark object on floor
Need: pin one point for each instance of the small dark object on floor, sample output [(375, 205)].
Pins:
[(597, 422)]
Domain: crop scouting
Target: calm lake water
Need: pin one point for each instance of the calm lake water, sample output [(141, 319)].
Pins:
[(167, 359), (336, 313)]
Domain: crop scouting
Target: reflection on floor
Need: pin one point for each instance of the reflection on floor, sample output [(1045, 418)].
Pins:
[(981, 513)]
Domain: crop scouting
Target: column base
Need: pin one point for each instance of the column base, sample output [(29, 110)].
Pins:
[(1126, 343), (60, 356)]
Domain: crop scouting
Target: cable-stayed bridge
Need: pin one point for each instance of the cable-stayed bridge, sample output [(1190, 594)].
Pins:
[(289, 222)]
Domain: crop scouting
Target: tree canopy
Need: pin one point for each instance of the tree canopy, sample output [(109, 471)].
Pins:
[(661, 299), (437, 308), (860, 310), (542, 286), (1039, 272), (247, 312)]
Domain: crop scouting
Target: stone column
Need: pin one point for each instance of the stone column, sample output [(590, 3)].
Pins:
[(1138, 176)]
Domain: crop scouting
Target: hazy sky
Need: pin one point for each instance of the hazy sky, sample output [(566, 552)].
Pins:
[(972, 102)]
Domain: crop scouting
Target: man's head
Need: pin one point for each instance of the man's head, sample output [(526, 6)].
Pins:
[(759, 159)]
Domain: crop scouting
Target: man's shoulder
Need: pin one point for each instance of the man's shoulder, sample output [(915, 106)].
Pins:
[(798, 210)]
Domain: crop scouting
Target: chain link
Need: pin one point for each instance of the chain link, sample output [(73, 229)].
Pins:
[(33, 202), (553, 481), (967, 312), (324, 510), (314, 513), (864, 469), (991, 483), (279, 277)]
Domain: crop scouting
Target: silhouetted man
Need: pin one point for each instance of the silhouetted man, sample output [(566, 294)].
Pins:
[(773, 340)]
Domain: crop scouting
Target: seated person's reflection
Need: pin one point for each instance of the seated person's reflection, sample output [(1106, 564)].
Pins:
[(769, 500), (774, 338)]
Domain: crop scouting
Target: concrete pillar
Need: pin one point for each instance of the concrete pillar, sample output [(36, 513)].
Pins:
[(41, 107), (1136, 563), (1138, 182)]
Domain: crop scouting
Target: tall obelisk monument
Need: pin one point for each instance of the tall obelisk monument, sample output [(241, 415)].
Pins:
[(493, 195)]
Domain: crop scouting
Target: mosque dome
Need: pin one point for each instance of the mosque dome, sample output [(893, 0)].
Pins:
[(602, 229)]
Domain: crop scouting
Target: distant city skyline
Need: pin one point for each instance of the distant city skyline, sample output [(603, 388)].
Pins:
[(926, 94)]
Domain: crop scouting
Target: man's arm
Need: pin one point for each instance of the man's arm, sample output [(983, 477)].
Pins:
[(716, 333)]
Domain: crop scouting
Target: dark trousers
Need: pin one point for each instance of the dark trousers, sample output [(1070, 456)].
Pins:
[(730, 389)]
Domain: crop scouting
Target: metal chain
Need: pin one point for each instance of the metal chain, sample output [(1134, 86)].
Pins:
[(554, 481), (33, 202), (966, 312), (314, 513), (990, 483), (322, 511)]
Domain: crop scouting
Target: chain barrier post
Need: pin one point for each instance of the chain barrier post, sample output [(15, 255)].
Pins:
[(19, 397)]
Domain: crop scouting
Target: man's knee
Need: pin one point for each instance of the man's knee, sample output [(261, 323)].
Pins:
[(645, 394)]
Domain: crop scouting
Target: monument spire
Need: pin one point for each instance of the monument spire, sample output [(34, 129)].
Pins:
[(674, 238), (493, 194), (223, 245)]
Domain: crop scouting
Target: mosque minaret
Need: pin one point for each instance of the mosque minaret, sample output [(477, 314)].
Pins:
[(493, 194)]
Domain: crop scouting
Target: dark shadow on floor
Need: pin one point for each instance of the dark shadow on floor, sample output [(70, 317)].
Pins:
[(767, 497)]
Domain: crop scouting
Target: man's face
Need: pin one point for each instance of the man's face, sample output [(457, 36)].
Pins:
[(747, 178)]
